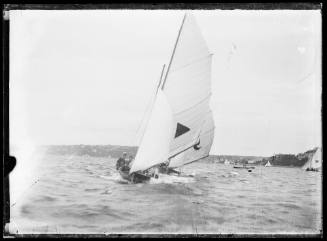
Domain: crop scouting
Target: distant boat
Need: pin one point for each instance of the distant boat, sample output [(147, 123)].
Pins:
[(226, 162), (268, 164), (180, 128), (244, 166), (315, 162)]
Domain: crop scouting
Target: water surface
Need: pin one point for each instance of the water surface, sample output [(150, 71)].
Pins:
[(86, 195)]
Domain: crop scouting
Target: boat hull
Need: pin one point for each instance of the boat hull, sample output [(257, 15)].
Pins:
[(134, 177), (312, 169), (169, 171), (242, 167)]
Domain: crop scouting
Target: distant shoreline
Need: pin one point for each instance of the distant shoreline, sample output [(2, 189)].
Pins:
[(115, 151)]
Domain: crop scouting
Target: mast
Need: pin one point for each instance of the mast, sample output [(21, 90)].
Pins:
[(172, 56), (162, 71)]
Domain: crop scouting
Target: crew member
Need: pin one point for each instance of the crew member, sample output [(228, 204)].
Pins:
[(121, 161), (126, 166), (130, 159)]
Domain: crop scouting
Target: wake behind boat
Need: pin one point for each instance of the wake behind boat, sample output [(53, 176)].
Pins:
[(180, 128)]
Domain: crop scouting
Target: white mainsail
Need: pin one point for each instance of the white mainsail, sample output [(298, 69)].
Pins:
[(268, 164), (315, 161), (154, 148), (187, 85)]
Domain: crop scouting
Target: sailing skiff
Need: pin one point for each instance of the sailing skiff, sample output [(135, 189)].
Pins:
[(180, 128)]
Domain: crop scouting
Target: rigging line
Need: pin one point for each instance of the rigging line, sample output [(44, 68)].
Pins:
[(192, 204), (163, 70), (143, 117), (193, 161), (172, 56), (187, 148), (194, 142), (197, 159), (313, 68), (199, 211), (152, 102), (149, 103), (28, 188), (198, 135), (193, 221), (35, 182)]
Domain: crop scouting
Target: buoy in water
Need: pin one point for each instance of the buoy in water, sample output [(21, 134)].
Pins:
[(249, 170)]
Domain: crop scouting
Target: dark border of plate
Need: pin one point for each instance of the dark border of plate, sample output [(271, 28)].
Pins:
[(9, 162)]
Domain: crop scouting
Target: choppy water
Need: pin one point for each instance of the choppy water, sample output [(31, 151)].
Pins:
[(86, 195)]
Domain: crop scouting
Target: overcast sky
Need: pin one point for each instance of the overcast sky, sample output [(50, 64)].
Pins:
[(86, 77)]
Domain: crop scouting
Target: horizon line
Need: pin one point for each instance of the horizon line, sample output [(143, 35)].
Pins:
[(211, 154)]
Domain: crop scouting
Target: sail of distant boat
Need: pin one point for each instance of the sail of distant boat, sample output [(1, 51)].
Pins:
[(181, 125), (315, 162), (268, 164)]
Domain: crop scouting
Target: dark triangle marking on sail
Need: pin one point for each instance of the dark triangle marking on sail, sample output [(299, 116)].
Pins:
[(181, 129)]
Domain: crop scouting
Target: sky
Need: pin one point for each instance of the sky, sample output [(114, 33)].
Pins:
[(88, 76)]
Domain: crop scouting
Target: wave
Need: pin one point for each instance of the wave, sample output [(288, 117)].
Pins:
[(170, 179), (46, 199), (92, 189)]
